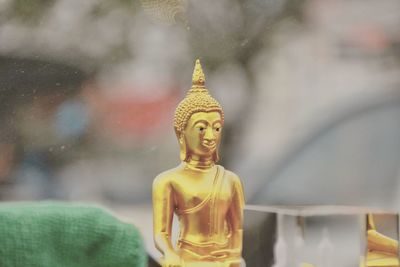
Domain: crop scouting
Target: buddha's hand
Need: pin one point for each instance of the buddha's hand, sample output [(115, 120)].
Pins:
[(226, 253), (172, 259)]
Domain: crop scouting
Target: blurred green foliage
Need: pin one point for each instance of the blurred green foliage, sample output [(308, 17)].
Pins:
[(103, 7), (29, 11)]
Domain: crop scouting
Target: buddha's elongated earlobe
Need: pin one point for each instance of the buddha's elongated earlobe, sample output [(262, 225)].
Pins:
[(215, 156), (182, 148)]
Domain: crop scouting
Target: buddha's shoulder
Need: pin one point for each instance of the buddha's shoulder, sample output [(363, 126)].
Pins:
[(166, 177), (232, 176)]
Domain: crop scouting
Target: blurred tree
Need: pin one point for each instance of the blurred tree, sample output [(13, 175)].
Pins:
[(28, 11)]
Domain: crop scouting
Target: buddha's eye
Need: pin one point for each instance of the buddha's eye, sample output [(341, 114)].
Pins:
[(201, 127), (217, 129)]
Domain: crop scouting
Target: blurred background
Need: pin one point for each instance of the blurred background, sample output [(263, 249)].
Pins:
[(310, 89)]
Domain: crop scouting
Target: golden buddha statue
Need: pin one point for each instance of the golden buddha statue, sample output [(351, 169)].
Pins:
[(207, 199), (381, 250)]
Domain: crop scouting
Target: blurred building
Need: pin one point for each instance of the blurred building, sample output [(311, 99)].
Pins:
[(325, 128), (309, 88)]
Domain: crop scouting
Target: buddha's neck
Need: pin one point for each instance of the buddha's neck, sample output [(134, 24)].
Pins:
[(200, 163)]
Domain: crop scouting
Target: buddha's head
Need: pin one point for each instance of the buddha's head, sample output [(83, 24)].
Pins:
[(198, 121)]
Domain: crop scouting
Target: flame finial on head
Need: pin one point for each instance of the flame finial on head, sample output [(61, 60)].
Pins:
[(198, 78)]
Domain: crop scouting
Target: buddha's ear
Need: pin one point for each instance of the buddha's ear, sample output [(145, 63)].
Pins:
[(182, 147), (215, 156)]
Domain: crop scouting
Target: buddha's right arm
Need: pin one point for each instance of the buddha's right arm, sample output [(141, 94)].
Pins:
[(380, 242), (162, 215)]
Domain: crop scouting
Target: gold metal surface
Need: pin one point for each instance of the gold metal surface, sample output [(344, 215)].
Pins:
[(207, 199), (382, 250)]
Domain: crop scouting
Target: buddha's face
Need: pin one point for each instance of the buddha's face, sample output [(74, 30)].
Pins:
[(203, 133)]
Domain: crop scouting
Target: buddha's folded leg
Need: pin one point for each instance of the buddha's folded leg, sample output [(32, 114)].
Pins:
[(234, 263), (204, 264), (226, 263), (377, 259)]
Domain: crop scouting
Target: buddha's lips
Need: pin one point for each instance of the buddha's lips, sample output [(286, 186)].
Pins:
[(209, 144)]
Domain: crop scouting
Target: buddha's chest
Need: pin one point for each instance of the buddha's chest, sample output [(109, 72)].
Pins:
[(190, 194)]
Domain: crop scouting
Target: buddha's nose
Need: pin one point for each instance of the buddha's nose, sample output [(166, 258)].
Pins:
[(209, 135)]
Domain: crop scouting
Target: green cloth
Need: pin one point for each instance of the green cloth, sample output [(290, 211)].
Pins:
[(52, 234)]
